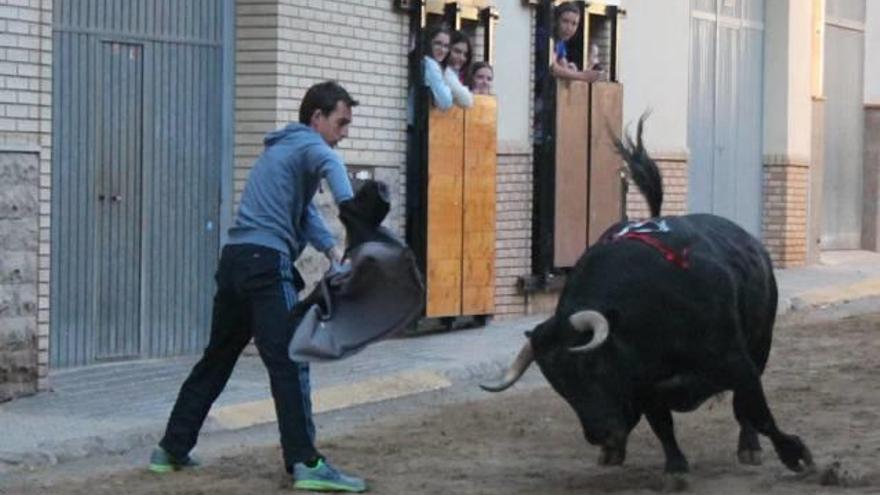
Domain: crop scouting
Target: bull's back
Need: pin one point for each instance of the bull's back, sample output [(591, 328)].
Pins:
[(748, 264), (718, 264)]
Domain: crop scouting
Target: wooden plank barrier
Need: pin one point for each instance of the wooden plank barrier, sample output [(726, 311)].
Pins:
[(445, 208), (606, 113), (462, 162), (480, 164), (587, 187), (572, 142)]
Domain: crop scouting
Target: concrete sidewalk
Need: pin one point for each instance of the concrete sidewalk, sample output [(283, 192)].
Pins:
[(114, 408)]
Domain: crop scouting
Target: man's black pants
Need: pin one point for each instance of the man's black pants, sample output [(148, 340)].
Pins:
[(255, 291)]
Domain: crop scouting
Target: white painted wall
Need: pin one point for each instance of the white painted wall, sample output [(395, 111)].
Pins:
[(787, 79), (800, 98), (512, 71), (654, 60), (872, 52), (776, 76)]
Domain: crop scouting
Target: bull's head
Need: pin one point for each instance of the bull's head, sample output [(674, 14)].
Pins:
[(577, 356), (581, 321)]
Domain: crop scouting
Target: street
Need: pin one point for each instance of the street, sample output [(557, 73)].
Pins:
[(821, 382)]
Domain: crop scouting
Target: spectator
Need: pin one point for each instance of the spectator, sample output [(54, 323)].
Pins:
[(458, 63), (595, 60), (567, 19), (480, 78), (436, 49)]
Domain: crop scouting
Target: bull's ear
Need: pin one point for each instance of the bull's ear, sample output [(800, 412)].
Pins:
[(528, 334)]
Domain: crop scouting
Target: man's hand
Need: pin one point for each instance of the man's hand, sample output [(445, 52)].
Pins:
[(334, 255)]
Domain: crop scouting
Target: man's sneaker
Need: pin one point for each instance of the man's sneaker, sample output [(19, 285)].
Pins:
[(324, 477), (163, 462)]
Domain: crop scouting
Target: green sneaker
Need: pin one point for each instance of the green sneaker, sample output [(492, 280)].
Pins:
[(163, 462), (324, 477)]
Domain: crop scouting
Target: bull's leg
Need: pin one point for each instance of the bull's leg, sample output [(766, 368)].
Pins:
[(660, 419), (750, 406), (748, 450)]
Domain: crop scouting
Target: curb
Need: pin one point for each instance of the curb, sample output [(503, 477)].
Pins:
[(376, 389), (837, 294)]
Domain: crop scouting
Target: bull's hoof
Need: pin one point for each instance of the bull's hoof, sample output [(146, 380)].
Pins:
[(750, 457), (611, 456), (676, 483), (794, 454)]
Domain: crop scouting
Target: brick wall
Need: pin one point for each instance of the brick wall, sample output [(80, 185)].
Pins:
[(513, 242), (785, 211), (25, 181), (675, 190), (285, 46)]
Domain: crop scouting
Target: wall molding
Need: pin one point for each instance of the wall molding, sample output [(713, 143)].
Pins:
[(20, 148), (850, 24), (514, 147), (675, 156), (785, 160)]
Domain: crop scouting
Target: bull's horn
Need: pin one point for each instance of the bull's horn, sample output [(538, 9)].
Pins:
[(517, 368), (589, 320)]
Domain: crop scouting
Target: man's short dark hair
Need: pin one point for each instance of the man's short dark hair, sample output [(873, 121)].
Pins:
[(324, 97)]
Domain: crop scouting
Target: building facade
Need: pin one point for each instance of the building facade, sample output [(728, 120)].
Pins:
[(127, 129)]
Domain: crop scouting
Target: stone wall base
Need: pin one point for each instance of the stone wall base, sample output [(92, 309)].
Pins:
[(18, 366), (19, 212), (871, 167)]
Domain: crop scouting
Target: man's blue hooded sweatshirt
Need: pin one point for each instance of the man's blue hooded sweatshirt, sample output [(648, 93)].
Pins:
[(276, 209)]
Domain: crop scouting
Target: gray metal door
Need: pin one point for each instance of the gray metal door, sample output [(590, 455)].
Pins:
[(139, 122), (118, 186), (844, 124), (725, 110)]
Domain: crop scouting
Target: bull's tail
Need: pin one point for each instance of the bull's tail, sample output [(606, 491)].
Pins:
[(642, 169)]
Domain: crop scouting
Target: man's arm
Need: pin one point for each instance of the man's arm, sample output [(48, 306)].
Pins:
[(318, 235), (333, 171)]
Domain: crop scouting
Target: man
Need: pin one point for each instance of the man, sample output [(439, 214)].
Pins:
[(257, 287)]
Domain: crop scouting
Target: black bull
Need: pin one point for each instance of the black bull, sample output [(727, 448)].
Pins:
[(658, 317)]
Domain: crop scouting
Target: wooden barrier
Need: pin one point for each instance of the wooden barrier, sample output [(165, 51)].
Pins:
[(587, 184), (572, 156), (606, 113), (460, 252)]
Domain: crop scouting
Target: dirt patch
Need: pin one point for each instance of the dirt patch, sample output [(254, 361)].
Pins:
[(822, 382)]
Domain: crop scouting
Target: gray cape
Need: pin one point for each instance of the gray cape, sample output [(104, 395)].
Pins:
[(378, 294)]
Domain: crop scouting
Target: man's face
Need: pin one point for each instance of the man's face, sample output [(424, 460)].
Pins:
[(333, 127), (568, 25)]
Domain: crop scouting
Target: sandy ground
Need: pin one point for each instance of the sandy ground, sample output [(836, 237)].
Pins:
[(823, 381)]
